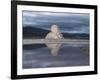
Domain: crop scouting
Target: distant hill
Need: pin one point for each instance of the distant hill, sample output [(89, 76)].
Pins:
[(31, 32)]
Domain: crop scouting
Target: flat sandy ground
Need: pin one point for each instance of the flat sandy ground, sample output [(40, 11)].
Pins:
[(42, 41)]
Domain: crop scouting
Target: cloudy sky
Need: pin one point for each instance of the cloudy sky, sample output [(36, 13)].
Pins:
[(68, 22)]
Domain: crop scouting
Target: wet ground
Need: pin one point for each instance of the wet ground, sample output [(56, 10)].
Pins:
[(40, 56)]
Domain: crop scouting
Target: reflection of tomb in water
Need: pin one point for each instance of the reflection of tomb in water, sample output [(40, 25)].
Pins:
[(54, 48)]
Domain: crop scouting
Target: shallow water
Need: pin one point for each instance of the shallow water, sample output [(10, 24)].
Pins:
[(40, 56)]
